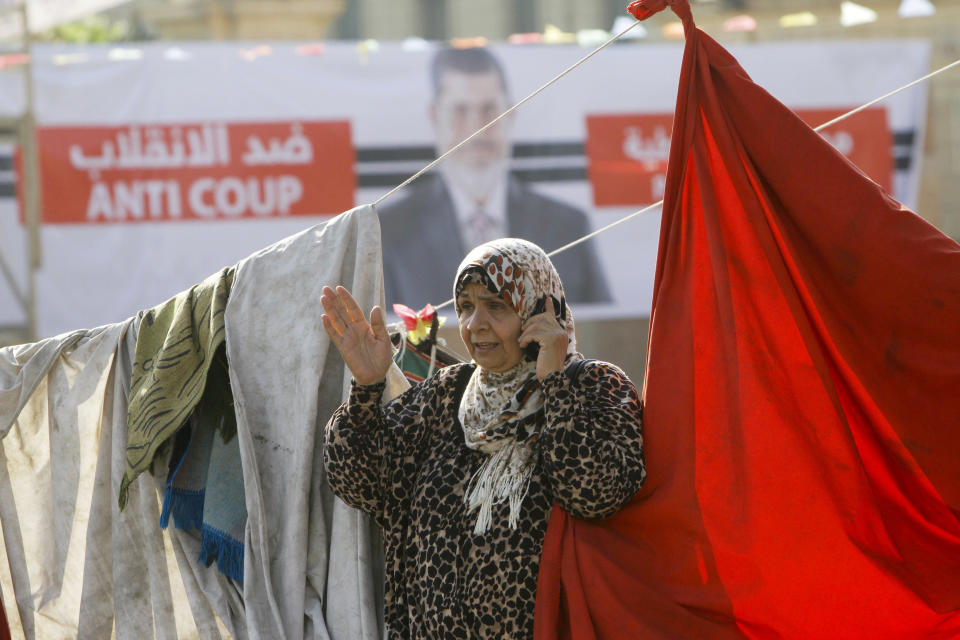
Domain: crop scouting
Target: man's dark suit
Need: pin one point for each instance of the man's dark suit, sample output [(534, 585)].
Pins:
[(422, 247)]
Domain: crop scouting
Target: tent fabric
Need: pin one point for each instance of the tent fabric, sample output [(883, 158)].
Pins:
[(312, 566), (76, 566), (24, 367), (71, 564), (801, 399)]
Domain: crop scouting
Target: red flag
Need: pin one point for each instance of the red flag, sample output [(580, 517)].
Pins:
[(802, 400)]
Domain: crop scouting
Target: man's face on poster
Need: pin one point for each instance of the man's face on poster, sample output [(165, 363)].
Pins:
[(464, 103)]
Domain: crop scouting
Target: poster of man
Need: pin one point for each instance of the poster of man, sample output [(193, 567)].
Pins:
[(472, 197)]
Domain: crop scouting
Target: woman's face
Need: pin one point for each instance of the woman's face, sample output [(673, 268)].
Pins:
[(490, 328)]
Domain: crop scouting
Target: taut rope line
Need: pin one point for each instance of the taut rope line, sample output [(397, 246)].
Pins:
[(885, 96)]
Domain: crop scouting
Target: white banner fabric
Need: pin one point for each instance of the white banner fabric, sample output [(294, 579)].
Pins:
[(96, 271)]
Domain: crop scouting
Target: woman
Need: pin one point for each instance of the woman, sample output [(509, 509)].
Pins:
[(462, 470)]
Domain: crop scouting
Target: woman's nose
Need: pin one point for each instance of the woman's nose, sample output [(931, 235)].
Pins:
[(477, 320)]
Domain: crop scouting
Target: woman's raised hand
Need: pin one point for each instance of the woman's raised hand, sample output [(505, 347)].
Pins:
[(365, 346), (544, 329)]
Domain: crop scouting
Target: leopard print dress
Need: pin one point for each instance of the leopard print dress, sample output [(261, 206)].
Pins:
[(406, 464)]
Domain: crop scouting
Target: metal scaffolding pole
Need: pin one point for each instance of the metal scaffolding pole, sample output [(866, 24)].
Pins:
[(30, 174)]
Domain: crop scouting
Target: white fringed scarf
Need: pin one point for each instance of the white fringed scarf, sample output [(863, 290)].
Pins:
[(498, 410)]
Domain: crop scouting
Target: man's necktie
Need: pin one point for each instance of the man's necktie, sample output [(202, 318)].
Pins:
[(481, 226)]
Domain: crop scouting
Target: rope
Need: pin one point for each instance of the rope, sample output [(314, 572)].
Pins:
[(504, 114), (657, 204), (884, 97)]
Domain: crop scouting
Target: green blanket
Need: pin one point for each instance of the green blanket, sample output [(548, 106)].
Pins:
[(175, 347)]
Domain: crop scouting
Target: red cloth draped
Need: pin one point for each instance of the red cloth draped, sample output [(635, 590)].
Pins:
[(802, 400)]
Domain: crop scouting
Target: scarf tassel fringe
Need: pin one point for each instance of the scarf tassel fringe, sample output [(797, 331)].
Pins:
[(495, 482), (228, 552), (186, 507)]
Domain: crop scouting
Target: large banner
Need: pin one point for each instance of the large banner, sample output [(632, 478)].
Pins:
[(163, 163), (195, 171)]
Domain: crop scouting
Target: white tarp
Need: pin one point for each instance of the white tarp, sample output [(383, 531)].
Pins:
[(75, 566), (309, 566), (95, 273)]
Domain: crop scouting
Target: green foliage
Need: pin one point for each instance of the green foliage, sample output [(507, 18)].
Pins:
[(92, 29)]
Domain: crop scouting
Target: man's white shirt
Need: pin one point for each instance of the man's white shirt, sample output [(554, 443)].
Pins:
[(493, 204)]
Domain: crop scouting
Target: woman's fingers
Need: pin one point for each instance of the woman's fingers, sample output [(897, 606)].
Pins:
[(350, 306), (379, 323), (544, 322), (542, 328), (330, 327), (344, 318), (532, 332), (332, 319), (334, 307), (343, 311)]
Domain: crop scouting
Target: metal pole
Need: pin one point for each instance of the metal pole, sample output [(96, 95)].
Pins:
[(31, 178)]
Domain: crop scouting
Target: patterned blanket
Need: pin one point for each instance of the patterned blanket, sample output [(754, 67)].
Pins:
[(175, 348)]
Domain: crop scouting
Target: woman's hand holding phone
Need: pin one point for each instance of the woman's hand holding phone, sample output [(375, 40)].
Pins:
[(543, 338)]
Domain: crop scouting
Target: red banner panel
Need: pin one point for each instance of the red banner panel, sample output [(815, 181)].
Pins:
[(627, 157), (202, 171), (627, 153)]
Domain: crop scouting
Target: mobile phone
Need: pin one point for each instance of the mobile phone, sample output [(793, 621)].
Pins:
[(532, 350)]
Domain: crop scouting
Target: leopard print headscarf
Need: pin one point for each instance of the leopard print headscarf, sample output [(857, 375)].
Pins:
[(501, 412)]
